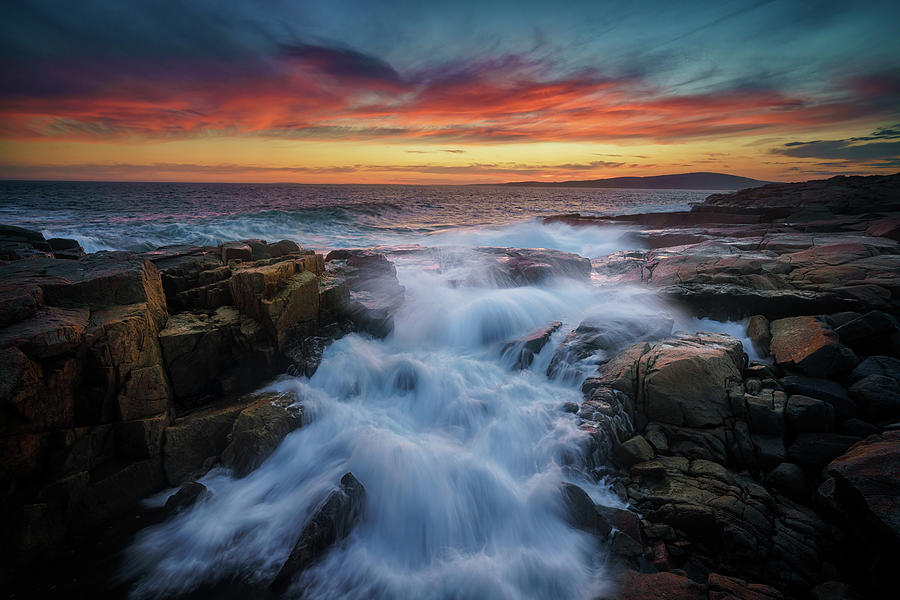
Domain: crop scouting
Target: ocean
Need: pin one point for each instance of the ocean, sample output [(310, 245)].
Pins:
[(462, 455), (144, 216)]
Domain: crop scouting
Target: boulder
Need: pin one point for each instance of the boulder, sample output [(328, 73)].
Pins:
[(581, 512), (657, 586), (603, 338), (877, 365), (790, 480), (759, 334), (98, 280), (808, 415), (195, 438), (822, 389), (730, 523), (870, 333), (141, 438), (808, 345), (765, 412), (282, 298), (535, 266), (18, 301), (634, 450), (197, 347), (530, 344), (711, 362), (259, 429), (187, 496), (858, 428), (818, 449), (48, 332), (731, 588), (877, 397), (240, 251), (330, 523), (213, 353), (835, 590), (65, 248), (867, 482)]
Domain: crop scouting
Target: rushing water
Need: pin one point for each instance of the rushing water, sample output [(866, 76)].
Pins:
[(462, 456), (143, 216)]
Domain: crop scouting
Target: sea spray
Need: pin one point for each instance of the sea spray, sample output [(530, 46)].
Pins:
[(462, 458)]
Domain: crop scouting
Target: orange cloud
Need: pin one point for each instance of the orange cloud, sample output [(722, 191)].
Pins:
[(310, 92)]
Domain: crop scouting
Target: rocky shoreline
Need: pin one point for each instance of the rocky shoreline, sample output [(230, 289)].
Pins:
[(125, 374), (758, 480)]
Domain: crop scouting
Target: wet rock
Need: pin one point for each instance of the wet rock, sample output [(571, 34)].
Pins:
[(141, 438), (877, 397), (126, 373), (65, 248), (624, 545), (581, 512), (215, 353), (534, 266), (657, 586), (111, 494), (867, 479), (527, 346), (877, 365), (818, 449), (282, 298), (731, 588), (259, 429), (871, 333), (605, 337), (282, 247), (621, 372), (759, 334), (709, 361), (374, 293), (888, 227), (808, 345), (194, 438), (858, 428), (835, 590), (766, 412), (733, 523), (240, 251), (48, 332), (808, 415), (331, 522), (790, 480), (188, 495), (634, 450), (822, 389), (770, 449)]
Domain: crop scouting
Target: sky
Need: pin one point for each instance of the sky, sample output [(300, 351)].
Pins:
[(389, 91)]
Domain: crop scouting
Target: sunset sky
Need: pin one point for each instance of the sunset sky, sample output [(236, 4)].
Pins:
[(455, 92)]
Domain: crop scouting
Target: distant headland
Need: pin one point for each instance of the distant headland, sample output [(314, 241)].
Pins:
[(678, 181)]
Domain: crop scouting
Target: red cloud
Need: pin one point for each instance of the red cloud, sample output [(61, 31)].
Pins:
[(315, 92)]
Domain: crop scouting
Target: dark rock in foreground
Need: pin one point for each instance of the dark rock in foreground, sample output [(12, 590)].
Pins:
[(332, 522)]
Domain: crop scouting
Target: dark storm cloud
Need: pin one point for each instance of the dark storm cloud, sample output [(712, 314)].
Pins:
[(342, 62)]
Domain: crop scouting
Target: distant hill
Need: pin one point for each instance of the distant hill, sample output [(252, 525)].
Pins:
[(680, 181)]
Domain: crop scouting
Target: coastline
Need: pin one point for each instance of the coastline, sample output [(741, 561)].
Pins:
[(130, 373)]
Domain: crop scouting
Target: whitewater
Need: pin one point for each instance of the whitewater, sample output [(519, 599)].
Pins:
[(462, 455)]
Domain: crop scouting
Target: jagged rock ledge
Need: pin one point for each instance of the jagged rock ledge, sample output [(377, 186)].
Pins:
[(754, 480), (780, 250), (123, 373)]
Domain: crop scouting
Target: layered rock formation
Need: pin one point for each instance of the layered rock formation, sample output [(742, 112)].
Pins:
[(780, 250), (124, 373), (760, 480)]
